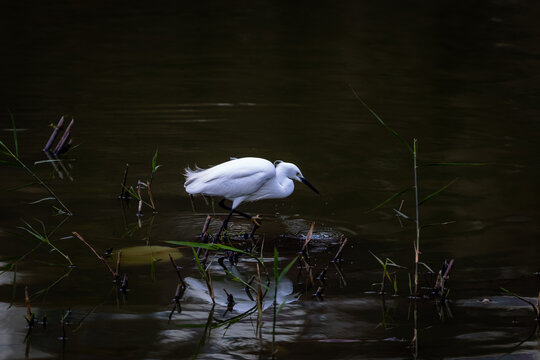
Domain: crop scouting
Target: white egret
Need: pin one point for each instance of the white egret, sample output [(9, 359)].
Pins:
[(245, 179)]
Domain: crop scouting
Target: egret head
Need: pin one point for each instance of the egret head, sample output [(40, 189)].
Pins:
[(293, 172)]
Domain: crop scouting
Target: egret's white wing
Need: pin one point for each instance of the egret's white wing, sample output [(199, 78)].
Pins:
[(231, 179)]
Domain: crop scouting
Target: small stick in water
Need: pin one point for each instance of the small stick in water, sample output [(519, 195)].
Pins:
[(30, 317), (177, 269), (150, 196), (319, 292), (117, 272), (65, 147), (308, 238), (139, 210), (54, 134), (206, 225), (124, 287), (64, 138), (444, 274), (230, 301), (123, 193), (95, 252), (322, 276), (338, 256)]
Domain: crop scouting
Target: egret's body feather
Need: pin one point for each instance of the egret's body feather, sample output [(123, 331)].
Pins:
[(244, 179)]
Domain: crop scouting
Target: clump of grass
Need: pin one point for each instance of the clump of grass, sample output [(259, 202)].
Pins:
[(126, 192), (413, 152), (15, 161), (386, 274), (44, 238)]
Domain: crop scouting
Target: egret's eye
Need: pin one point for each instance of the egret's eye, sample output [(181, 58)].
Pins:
[(297, 174)]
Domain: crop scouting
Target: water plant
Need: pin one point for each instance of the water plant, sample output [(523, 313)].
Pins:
[(15, 161), (386, 274)]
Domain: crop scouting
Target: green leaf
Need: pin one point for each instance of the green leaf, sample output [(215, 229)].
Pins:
[(192, 326), (208, 246), (522, 299), (9, 163), (286, 269), (392, 263), (426, 266), (14, 133), (40, 200), (455, 164), (379, 260), (436, 192), (280, 307), (389, 199), (276, 265), (7, 152), (199, 265), (154, 161), (51, 161), (33, 232), (392, 131)]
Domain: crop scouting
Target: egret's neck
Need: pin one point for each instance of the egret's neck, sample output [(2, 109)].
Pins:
[(286, 185)]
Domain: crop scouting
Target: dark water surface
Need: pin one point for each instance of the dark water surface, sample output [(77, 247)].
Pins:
[(204, 82)]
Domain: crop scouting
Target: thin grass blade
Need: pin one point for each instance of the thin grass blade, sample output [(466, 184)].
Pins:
[(522, 299), (392, 131), (14, 133), (9, 163), (455, 164), (208, 246), (389, 199), (376, 257), (286, 270), (40, 200), (436, 192)]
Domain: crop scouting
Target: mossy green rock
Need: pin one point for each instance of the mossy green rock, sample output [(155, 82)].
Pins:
[(142, 255)]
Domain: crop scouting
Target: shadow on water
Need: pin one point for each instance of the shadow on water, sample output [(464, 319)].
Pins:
[(166, 88)]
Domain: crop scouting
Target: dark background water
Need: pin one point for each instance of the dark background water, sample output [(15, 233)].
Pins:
[(203, 82)]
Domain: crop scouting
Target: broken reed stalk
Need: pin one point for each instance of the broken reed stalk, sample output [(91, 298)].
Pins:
[(30, 317), (210, 286), (259, 304), (538, 307), (338, 256), (123, 193), (95, 253), (177, 269), (178, 293), (204, 234), (383, 281), (54, 134), (206, 224), (64, 138), (124, 286), (117, 272), (417, 221), (443, 275), (322, 275), (150, 196), (308, 238), (139, 210)]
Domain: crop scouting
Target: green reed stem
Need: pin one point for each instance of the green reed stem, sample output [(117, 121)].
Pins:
[(417, 221)]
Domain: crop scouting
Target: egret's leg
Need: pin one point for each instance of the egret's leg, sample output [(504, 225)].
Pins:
[(192, 203), (223, 226), (256, 219)]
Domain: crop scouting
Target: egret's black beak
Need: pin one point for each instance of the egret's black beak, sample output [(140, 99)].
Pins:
[(308, 184)]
